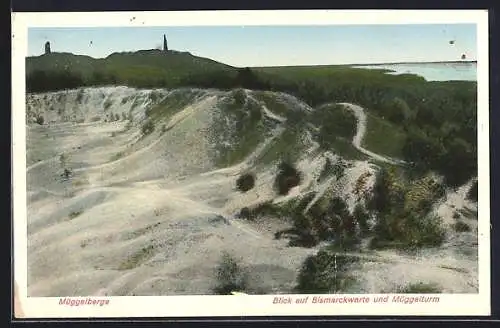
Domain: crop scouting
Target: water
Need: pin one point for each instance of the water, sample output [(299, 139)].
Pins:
[(433, 71)]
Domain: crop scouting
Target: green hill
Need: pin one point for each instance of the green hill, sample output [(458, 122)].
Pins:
[(144, 68)]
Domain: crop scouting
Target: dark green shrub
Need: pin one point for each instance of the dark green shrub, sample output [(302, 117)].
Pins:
[(287, 178), (361, 216), (229, 276), (472, 194), (325, 272), (239, 97), (245, 182), (40, 120), (461, 226), (420, 288), (148, 127), (245, 213)]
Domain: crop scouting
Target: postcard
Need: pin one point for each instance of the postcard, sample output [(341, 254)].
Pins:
[(250, 163)]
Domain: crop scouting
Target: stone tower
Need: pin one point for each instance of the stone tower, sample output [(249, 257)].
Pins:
[(47, 47), (165, 46)]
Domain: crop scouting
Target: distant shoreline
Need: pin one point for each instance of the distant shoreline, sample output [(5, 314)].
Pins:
[(377, 64), (418, 63)]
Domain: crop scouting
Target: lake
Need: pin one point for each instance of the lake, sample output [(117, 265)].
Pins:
[(432, 71)]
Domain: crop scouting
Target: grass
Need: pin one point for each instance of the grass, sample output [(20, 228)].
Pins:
[(247, 133), (461, 226), (116, 156), (420, 288), (137, 258), (79, 182), (107, 104), (142, 231), (170, 105), (344, 147), (272, 103), (468, 213), (325, 272), (383, 137), (286, 145)]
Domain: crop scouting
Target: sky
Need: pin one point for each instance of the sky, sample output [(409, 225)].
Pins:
[(254, 46)]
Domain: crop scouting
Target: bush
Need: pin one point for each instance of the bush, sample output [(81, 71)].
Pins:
[(408, 231), (239, 97), (472, 194), (230, 277), (73, 215), (420, 288), (325, 272), (361, 216), (245, 213), (40, 120), (287, 178), (245, 182), (461, 226), (79, 96), (148, 127)]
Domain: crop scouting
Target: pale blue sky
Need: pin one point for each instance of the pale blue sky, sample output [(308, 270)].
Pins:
[(272, 45)]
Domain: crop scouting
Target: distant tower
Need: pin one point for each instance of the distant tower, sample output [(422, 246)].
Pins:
[(47, 47), (165, 47)]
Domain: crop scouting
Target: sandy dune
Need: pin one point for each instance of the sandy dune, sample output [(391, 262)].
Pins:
[(152, 215)]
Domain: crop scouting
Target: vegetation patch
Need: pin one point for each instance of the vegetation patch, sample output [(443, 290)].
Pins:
[(238, 130), (108, 104), (148, 127), (287, 145), (137, 258), (74, 214), (326, 273), (334, 121), (420, 288), (472, 194), (461, 226), (468, 213), (287, 178), (117, 156), (40, 120), (79, 96), (273, 103), (383, 137), (229, 276), (141, 232), (245, 182), (403, 210)]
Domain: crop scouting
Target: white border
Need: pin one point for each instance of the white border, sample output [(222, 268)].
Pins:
[(189, 306)]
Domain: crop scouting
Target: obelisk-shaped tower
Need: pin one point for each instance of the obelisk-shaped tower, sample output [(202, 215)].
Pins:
[(47, 47), (165, 46)]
